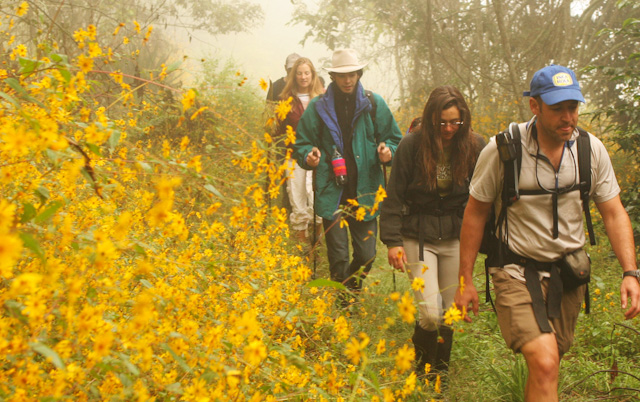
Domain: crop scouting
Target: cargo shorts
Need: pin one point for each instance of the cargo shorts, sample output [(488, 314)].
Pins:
[(515, 312)]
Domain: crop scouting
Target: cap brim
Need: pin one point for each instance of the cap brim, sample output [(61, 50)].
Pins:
[(345, 69), (561, 95)]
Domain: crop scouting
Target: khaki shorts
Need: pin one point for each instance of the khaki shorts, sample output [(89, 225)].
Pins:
[(515, 312)]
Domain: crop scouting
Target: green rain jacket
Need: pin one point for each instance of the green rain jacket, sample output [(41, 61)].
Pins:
[(319, 128)]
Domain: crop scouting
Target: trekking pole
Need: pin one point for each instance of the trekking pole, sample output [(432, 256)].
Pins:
[(393, 272), (315, 234)]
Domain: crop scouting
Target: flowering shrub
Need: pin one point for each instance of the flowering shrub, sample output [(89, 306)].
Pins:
[(131, 268)]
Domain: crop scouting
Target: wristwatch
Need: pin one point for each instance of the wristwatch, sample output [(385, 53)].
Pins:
[(635, 272)]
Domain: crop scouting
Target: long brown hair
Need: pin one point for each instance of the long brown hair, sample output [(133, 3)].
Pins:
[(463, 145), (291, 87)]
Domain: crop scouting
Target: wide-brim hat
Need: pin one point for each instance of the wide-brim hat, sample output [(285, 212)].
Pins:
[(345, 61), (555, 84)]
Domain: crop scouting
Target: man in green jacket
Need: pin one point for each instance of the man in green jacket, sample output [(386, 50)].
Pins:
[(350, 128)]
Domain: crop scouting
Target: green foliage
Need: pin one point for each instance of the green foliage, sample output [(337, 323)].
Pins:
[(620, 111)]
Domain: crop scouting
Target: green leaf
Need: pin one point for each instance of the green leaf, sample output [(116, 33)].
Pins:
[(318, 283), (146, 283), (65, 74), (630, 21), (28, 212), (93, 148), (174, 66), (140, 250), (145, 166), (28, 65), (15, 85), (114, 139), (42, 193), (213, 190), (130, 366), (10, 99), (57, 58), (49, 211), (49, 353), (32, 244), (177, 358)]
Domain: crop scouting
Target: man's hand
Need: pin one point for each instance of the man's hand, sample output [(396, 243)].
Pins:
[(397, 257), (468, 296), (630, 295), (313, 158), (384, 152)]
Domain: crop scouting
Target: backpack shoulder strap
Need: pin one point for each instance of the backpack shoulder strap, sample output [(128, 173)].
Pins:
[(374, 107), (510, 187), (584, 169)]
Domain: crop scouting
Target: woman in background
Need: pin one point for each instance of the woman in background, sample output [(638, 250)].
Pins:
[(421, 217), (303, 84)]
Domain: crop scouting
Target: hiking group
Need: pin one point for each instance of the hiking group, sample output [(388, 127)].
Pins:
[(524, 192)]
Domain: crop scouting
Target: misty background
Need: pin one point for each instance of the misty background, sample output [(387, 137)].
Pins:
[(261, 50)]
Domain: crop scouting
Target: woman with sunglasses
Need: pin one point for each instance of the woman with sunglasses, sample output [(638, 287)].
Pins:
[(421, 217)]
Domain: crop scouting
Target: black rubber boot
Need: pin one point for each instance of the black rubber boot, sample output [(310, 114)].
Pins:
[(426, 347), (444, 349)]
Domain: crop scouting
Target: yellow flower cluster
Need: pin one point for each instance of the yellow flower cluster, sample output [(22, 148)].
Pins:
[(125, 273)]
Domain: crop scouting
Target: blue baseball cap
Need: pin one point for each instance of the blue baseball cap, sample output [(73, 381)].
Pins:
[(555, 84)]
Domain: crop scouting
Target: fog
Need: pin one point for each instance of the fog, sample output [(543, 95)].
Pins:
[(260, 52)]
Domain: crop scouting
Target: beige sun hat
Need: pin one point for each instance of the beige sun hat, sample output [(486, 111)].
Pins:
[(345, 61)]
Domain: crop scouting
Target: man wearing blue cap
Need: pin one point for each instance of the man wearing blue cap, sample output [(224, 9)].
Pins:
[(542, 232)]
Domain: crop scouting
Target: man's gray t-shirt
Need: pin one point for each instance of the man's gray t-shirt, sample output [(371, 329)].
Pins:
[(530, 219)]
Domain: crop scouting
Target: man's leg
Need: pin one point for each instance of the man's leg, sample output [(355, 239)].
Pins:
[(543, 362), (363, 238), (337, 240)]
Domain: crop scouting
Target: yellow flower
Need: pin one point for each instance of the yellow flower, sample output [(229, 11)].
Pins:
[(462, 284), (263, 84), (10, 251), (115, 32), (7, 211), (92, 31), (188, 100), (26, 283), (381, 194), (290, 136), (381, 347), (404, 358), (94, 50), (341, 326), (267, 138), (417, 284), (195, 163), (407, 309), (85, 63), (409, 385), (255, 352), (283, 108), (103, 342), (360, 213), (197, 113), (22, 10), (353, 351), (452, 315)]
